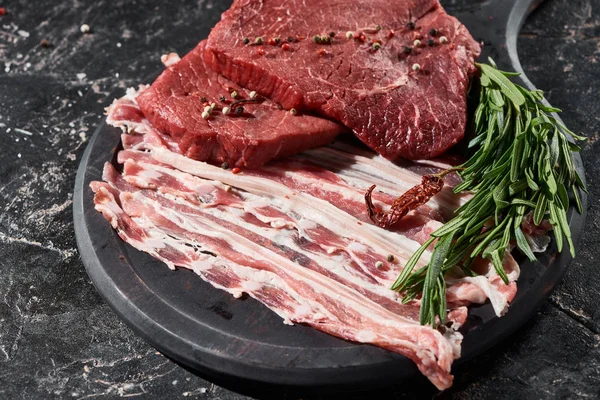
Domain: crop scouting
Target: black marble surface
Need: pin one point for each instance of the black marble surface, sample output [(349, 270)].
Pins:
[(58, 339)]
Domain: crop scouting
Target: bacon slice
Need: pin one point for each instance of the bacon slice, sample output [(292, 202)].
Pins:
[(294, 235), (182, 236)]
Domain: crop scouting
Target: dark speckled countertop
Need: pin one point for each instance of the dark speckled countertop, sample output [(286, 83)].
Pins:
[(58, 339)]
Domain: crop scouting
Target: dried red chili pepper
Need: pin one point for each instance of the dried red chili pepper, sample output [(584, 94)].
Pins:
[(413, 198)]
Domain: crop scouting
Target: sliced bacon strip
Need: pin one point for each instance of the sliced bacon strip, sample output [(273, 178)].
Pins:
[(308, 296)]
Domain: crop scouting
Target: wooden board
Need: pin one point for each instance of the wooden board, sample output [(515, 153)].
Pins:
[(208, 330)]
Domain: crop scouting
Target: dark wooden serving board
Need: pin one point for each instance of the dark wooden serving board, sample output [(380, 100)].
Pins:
[(207, 330)]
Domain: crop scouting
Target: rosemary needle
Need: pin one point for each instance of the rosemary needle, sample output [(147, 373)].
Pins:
[(521, 162)]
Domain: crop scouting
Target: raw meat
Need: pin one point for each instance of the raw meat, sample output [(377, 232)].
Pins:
[(293, 235), (400, 82), (173, 103)]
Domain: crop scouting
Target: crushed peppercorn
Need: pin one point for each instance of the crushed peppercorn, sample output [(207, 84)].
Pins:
[(378, 28), (258, 40), (221, 98), (407, 49), (390, 258), (203, 99), (239, 110), (293, 111)]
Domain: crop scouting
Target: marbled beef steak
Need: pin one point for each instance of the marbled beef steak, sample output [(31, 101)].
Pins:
[(396, 72), (174, 104)]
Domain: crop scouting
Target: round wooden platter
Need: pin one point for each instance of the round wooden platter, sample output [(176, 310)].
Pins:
[(208, 330)]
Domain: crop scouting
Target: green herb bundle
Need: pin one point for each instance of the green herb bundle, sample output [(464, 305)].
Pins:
[(521, 162)]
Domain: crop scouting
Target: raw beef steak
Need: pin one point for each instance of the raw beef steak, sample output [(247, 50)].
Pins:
[(396, 72), (174, 104)]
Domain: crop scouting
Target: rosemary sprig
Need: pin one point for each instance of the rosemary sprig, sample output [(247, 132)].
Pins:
[(521, 162)]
